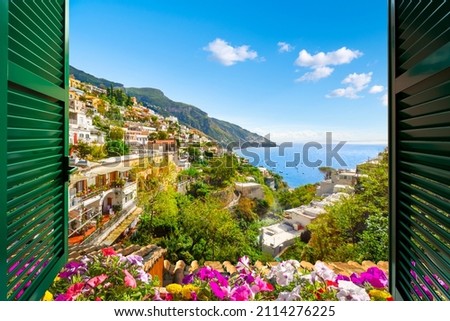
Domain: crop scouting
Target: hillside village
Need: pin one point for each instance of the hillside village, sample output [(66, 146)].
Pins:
[(117, 145), (105, 187)]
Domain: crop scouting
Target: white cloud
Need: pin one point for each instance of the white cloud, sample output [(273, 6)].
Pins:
[(318, 73), (284, 47), (376, 89), (228, 55), (384, 99), (338, 57), (357, 82), (320, 62)]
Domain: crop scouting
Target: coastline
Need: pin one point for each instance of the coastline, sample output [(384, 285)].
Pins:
[(294, 163)]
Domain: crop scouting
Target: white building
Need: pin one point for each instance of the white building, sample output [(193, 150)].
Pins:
[(250, 190), (275, 238)]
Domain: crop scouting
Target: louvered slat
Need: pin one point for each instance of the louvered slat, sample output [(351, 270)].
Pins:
[(33, 130), (420, 149)]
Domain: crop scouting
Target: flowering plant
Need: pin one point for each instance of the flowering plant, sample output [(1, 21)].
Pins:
[(286, 281), (107, 277), (322, 284), (114, 277), (431, 289), (22, 270), (208, 284)]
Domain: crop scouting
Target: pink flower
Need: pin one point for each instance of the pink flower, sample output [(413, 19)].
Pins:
[(219, 291), (108, 251), (97, 280), (98, 299), (241, 293), (261, 286), (129, 279), (74, 290)]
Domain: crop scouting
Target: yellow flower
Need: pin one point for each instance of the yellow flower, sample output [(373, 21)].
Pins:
[(174, 288), (187, 291), (379, 295), (48, 296), (57, 278)]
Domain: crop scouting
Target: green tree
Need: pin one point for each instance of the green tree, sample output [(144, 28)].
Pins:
[(194, 154), (301, 195), (355, 228), (374, 242), (98, 152), (222, 170), (116, 133), (163, 135), (83, 149), (116, 148)]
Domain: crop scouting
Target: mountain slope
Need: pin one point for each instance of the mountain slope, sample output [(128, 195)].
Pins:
[(88, 78), (222, 131)]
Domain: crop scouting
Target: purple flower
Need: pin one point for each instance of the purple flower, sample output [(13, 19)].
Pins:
[(142, 276), (63, 297), (374, 276), (13, 267), (357, 279), (424, 289), (248, 278), (206, 273), (135, 260), (428, 280), (442, 283), (342, 277), (72, 268), (188, 279), (427, 292), (413, 274)]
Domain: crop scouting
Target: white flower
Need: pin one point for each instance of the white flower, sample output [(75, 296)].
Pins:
[(311, 278), (324, 272), (294, 263), (289, 296), (86, 260), (243, 264), (348, 291), (283, 273)]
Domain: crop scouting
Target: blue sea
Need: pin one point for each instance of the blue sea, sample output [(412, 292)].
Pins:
[(299, 164)]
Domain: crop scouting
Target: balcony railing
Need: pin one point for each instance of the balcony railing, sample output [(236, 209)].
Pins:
[(84, 219)]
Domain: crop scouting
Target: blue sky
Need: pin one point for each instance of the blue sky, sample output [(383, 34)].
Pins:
[(291, 69)]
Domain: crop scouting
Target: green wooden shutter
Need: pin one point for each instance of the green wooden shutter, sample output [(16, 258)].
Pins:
[(33, 145), (420, 149)]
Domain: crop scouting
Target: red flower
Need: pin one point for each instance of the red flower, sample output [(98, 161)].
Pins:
[(98, 299), (390, 299), (318, 292), (332, 283), (108, 251)]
